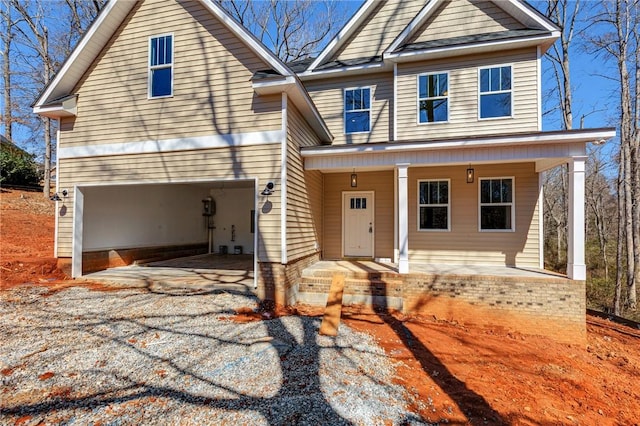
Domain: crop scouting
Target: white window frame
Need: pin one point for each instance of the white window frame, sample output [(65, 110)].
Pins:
[(495, 92), (418, 98), (344, 108), (156, 67), (448, 206), (512, 204)]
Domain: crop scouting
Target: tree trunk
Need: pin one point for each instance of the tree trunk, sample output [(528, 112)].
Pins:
[(7, 115)]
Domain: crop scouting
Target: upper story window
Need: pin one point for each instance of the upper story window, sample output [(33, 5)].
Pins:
[(433, 202), (495, 92), (357, 110), (161, 66), (497, 211), (433, 98)]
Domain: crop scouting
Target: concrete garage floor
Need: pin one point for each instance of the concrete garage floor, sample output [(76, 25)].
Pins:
[(186, 275)]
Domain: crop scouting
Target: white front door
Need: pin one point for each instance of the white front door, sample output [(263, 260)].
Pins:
[(357, 224)]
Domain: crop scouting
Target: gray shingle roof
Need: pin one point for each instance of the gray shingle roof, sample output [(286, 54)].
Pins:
[(471, 39)]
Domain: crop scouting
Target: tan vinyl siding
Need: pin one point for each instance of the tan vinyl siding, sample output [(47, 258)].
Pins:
[(262, 162), (381, 183), (212, 91), (456, 18), (381, 29), (465, 244), (463, 96), (328, 96), (304, 190)]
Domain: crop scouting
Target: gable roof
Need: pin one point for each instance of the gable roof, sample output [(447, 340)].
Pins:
[(539, 31), (106, 24)]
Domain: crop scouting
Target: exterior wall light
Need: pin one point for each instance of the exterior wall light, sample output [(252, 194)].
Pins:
[(354, 180), (470, 173)]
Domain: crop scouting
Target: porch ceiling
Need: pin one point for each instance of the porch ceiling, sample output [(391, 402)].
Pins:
[(546, 149)]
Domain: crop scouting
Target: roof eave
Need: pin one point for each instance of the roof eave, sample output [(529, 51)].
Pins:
[(440, 52)]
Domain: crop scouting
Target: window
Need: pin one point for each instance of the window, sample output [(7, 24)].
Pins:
[(357, 110), (496, 204), (495, 92), (433, 197), (433, 101), (358, 203), (161, 66)]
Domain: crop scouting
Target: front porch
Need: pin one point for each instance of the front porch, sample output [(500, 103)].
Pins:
[(531, 301)]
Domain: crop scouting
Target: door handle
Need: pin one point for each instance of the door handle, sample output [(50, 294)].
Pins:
[(370, 228)]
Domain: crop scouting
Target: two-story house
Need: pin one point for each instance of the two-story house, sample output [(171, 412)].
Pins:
[(411, 147)]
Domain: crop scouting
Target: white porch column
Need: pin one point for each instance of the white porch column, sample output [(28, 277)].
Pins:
[(403, 219), (576, 268)]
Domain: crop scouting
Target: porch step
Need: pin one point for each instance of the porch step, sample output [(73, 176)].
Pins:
[(331, 318)]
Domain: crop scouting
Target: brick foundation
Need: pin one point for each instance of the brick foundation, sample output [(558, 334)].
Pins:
[(279, 283), (552, 306)]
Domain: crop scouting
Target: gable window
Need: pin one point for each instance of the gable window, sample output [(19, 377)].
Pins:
[(433, 201), (496, 204), (495, 92), (161, 66), (357, 110), (433, 98)]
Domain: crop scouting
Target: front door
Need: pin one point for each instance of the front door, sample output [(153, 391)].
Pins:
[(357, 224)]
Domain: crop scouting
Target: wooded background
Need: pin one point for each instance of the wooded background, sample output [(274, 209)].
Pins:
[(37, 36)]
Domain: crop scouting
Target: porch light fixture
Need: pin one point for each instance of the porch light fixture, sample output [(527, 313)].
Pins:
[(268, 189), (354, 180), (56, 197), (470, 173)]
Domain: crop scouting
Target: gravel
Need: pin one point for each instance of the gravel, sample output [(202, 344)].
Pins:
[(140, 357)]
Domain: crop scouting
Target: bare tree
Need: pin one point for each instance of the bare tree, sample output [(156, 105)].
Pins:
[(7, 39), (619, 21), (292, 29)]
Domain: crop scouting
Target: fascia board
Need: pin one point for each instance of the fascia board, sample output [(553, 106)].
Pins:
[(89, 47), (415, 23), (467, 49), (344, 71), (343, 35), (596, 136), (519, 11)]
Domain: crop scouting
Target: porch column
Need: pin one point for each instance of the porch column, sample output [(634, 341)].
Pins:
[(576, 268), (403, 219)]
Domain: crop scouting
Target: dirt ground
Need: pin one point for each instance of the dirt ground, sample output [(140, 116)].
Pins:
[(458, 373)]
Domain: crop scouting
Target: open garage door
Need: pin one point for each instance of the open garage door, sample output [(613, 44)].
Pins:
[(116, 225)]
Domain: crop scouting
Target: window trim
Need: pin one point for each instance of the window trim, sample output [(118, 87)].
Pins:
[(512, 204), (344, 109), (448, 205), (418, 99), (480, 93), (150, 68)]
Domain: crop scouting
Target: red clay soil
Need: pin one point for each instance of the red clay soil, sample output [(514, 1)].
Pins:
[(458, 373)]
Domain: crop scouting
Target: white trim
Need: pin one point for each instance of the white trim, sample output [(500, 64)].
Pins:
[(273, 85), (57, 215), (395, 102), (530, 14), (418, 99), (396, 251), (576, 267), (539, 86), (494, 92), (530, 139), (439, 52), (344, 71), (77, 232), (168, 145), (343, 35), (512, 203), (151, 68), (420, 205), (344, 109), (373, 221), (283, 182), (415, 24), (541, 220), (403, 218), (256, 231)]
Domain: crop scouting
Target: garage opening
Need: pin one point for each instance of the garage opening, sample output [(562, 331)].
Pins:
[(209, 224)]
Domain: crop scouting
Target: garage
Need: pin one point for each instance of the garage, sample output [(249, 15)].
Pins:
[(118, 225)]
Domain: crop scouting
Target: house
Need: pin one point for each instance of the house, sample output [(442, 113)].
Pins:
[(414, 139)]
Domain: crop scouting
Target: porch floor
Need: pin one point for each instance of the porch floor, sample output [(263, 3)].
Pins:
[(358, 267)]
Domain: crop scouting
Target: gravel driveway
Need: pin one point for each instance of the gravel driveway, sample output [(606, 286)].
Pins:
[(133, 356)]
